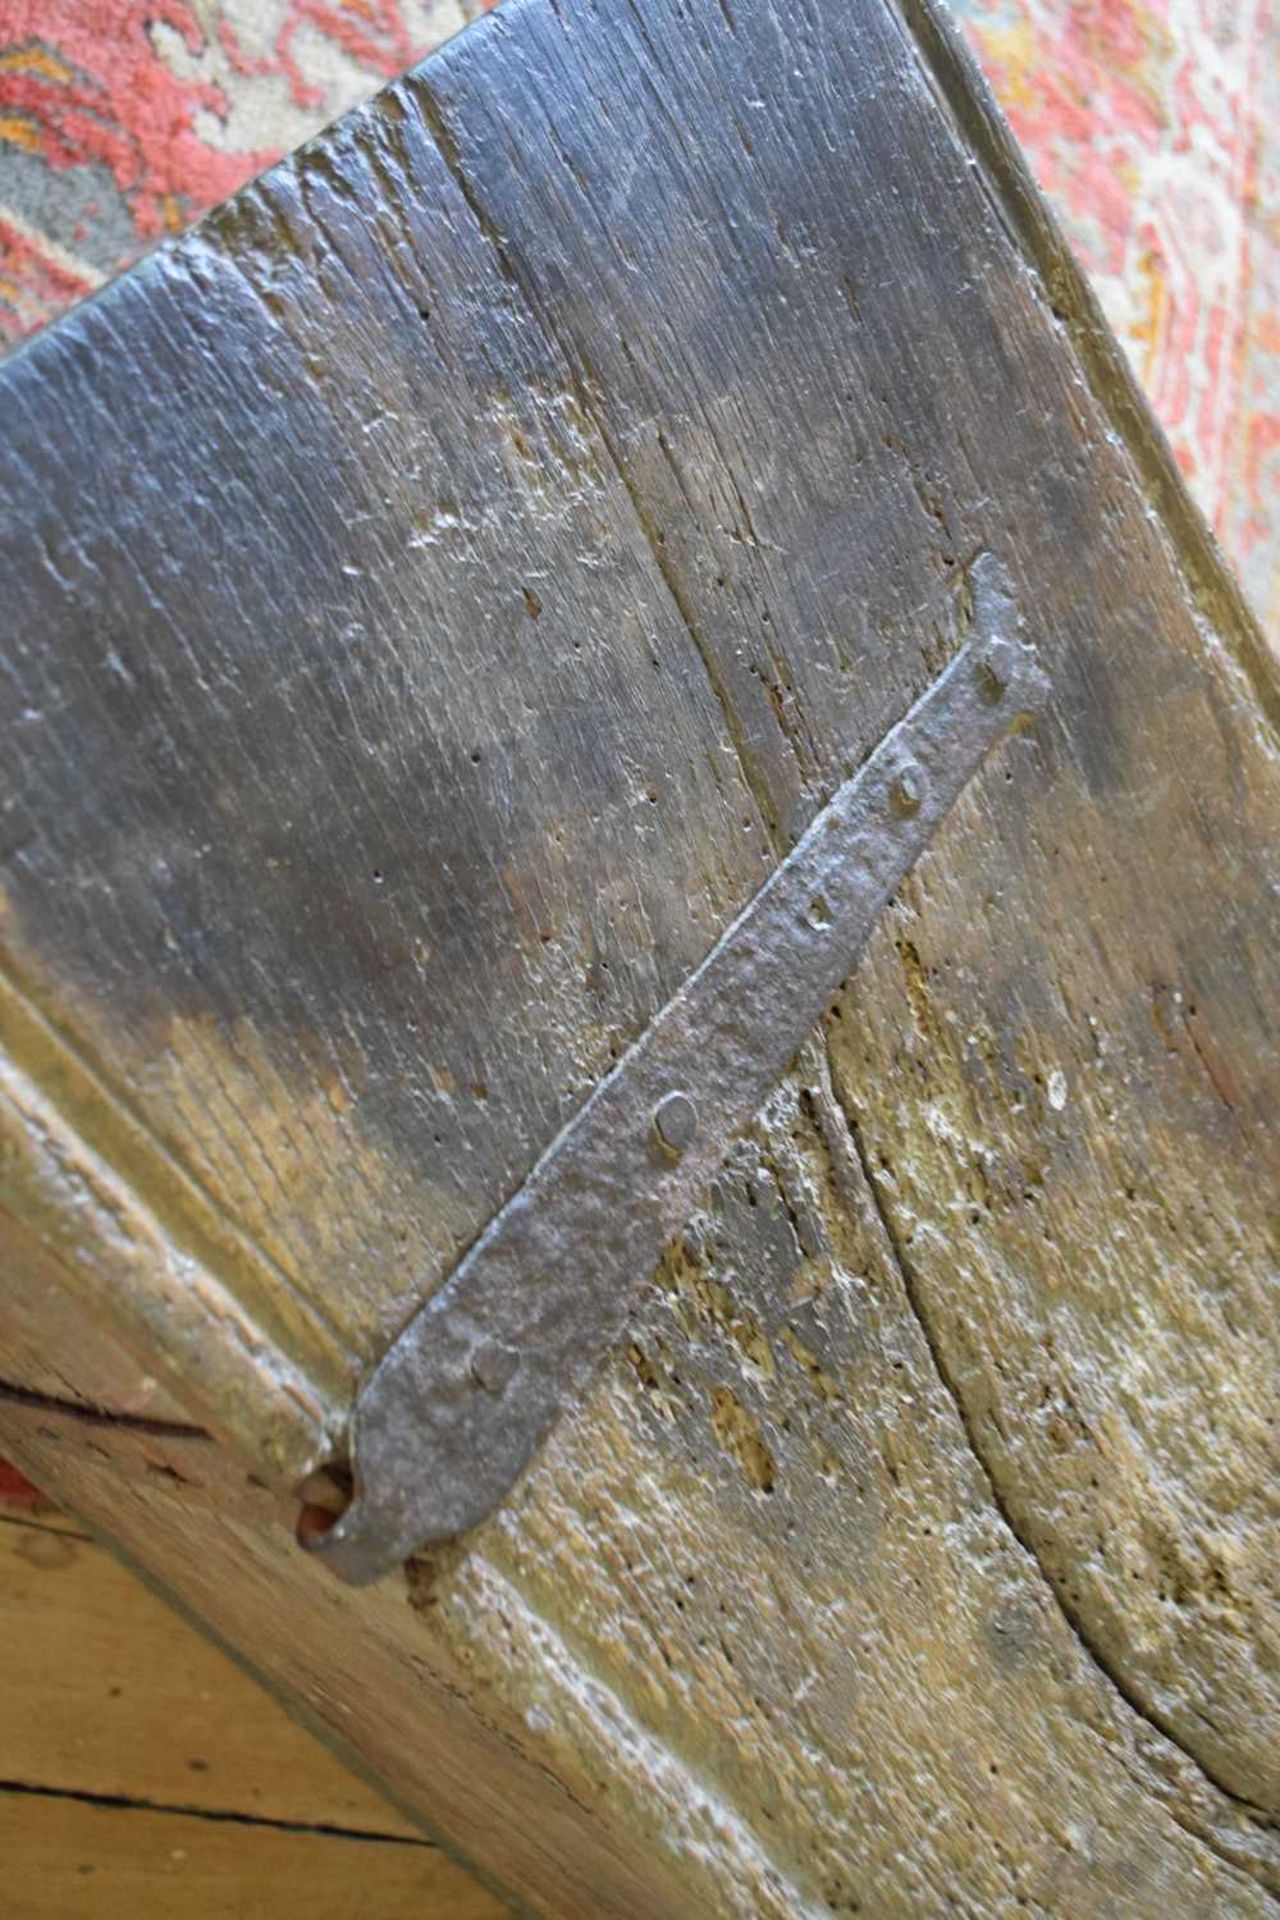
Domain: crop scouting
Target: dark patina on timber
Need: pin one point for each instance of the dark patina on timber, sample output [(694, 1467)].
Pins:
[(456, 1409)]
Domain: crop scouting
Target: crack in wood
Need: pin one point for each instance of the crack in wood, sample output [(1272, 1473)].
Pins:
[(222, 1816), (1096, 1656), (85, 1414), (449, 152)]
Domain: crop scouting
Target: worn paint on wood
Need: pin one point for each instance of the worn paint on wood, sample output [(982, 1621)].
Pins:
[(486, 555)]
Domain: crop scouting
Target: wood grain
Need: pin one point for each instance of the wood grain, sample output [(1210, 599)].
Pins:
[(64, 1857), (143, 1771), (471, 561), (109, 1694), (408, 1708), (630, 1786), (1136, 839)]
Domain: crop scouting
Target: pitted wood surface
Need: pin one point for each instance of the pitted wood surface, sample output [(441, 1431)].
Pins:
[(474, 562)]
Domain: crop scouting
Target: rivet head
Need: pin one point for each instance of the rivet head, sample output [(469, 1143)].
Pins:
[(997, 664), (907, 791), (493, 1364), (675, 1121)]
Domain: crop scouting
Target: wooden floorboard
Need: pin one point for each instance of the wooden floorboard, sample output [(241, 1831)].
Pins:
[(141, 1772), (66, 1857)]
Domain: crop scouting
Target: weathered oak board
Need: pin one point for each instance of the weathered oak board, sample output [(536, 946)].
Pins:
[(436, 593)]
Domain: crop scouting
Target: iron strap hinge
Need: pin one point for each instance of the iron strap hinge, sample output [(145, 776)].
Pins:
[(457, 1407)]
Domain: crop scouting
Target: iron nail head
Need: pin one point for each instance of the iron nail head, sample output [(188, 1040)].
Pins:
[(493, 1364), (907, 790), (997, 664), (675, 1121)]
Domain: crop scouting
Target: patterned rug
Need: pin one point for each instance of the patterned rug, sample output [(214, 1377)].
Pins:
[(1154, 125)]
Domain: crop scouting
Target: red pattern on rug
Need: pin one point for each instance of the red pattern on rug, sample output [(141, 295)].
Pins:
[(81, 83)]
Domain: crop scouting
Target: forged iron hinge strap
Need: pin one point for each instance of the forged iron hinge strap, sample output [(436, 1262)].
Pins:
[(457, 1407)]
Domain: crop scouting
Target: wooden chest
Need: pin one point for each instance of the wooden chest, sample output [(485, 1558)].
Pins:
[(440, 596)]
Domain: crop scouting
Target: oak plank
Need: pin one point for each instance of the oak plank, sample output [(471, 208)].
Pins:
[(633, 1741), (524, 827), (1061, 1055)]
